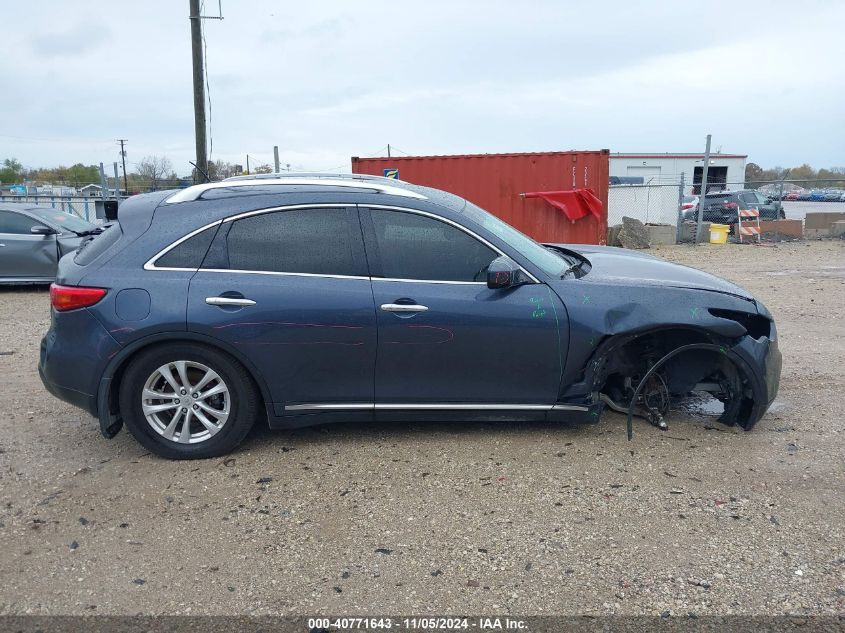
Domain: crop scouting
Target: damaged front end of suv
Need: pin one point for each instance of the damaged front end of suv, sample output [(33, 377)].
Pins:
[(646, 333)]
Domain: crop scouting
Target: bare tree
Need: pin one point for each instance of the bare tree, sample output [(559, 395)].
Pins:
[(155, 169), (220, 169), (264, 168)]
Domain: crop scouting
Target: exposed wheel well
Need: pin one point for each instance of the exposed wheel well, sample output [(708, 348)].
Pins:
[(625, 363)]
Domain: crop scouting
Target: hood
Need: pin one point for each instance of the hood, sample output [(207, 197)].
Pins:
[(619, 265)]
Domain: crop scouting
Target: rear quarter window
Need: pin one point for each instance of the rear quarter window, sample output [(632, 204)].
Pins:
[(190, 253), (90, 249)]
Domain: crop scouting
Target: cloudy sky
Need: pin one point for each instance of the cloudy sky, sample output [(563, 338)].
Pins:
[(327, 80)]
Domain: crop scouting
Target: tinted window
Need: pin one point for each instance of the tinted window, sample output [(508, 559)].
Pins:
[(16, 223), (93, 247), (317, 241), (67, 221), (412, 246), (190, 253), (550, 261)]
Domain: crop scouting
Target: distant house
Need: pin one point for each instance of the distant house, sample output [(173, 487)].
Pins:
[(96, 191)]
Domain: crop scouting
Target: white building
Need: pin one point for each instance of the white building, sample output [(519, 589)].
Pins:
[(726, 170), (646, 186)]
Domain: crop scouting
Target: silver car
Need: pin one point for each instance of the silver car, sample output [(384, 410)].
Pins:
[(34, 238)]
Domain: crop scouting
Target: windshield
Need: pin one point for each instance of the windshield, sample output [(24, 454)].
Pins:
[(549, 261), (67, 221)]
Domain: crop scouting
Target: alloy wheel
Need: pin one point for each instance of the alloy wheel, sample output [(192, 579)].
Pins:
[(186, 402)]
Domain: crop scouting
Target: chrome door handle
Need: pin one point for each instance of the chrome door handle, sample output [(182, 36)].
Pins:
[(403, 307), (228, 301)]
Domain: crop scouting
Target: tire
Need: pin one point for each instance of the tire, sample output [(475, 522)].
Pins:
[(782, 214), (218, 417)]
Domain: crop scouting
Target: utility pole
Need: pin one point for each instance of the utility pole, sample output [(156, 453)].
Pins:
[(782, 178), (247, 164), (388, 150), (123, 159), (276, 159), (199, 90), (703, 192)]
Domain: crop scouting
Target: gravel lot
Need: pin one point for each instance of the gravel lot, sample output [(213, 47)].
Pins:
[(434, 519)]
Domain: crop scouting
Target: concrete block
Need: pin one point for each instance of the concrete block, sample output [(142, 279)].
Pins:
[(782, 228), (613, 235), (688, 232), (816, 233), (822, 219), (660, 234), (837, 229), (633, 234)]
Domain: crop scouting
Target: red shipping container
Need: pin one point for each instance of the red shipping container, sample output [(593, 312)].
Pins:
[(495, 181)]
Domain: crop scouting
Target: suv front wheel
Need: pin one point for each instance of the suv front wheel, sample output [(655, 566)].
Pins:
[(188, 401)]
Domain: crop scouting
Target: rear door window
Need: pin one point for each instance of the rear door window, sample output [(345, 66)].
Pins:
[(319, 241)]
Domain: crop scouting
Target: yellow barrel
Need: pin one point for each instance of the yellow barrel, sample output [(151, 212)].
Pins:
[(719, 233)]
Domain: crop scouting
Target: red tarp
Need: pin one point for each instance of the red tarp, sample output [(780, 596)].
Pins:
[(575, 203)]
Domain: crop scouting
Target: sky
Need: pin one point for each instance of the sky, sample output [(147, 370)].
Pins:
[(332, 79)]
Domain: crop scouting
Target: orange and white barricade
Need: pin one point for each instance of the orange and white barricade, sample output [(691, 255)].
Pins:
[(749, 223)]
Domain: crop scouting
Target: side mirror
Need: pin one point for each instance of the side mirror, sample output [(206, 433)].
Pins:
[(503, 272), (40, 229)]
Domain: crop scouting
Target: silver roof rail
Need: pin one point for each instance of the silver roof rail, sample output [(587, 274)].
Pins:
[(316, 174), (195, 192)]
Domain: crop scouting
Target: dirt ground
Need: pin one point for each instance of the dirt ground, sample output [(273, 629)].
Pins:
[(446, 519)]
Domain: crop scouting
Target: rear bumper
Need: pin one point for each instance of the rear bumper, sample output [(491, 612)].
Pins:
[(74, 355), (76, 398)]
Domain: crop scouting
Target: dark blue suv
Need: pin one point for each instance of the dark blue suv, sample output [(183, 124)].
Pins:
[(304, 300)]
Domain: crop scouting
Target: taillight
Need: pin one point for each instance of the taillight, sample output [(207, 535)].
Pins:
[(65, 298), (731, 205), (687, 205)]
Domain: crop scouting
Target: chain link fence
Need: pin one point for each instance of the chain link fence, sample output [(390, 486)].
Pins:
[(86, 207), (677, 203)]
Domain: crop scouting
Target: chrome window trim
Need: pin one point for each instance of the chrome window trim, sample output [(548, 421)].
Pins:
[(194, 192), (282, 274), (431, 281), (150, 263), (457, 226)]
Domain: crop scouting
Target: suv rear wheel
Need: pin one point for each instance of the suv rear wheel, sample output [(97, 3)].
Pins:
[(188, 401)]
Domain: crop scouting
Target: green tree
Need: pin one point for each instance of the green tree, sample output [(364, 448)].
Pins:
[(81, 175), (753, 174), (11, 172)]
